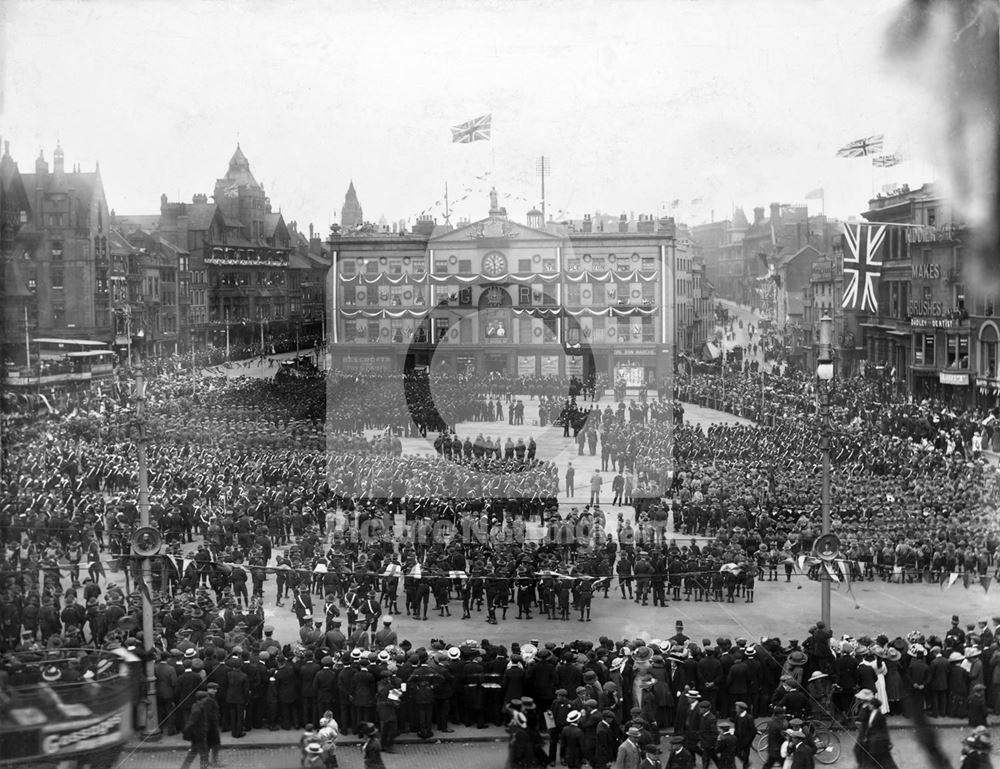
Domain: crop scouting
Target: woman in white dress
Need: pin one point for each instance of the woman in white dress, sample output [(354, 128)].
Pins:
[(874, 660)]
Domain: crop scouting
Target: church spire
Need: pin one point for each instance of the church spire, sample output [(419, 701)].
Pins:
[(351, 215)]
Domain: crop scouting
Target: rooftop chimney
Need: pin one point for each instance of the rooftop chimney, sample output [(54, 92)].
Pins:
[(588, 223), (645, 224), (425, 225), (775, 213), (623, 223)]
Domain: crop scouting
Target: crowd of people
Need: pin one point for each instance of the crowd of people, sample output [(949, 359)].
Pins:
[(304, 484)]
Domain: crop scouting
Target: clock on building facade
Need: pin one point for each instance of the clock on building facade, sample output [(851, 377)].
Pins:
[(494, 264)]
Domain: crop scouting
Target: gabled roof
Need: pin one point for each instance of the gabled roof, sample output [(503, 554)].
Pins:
[(786, 259), (271, 223), (201, 215), (493, 227)]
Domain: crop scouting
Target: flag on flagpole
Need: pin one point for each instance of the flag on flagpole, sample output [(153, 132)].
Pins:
[(697, 201), (816, 194), (859, 148), (675, 203), (887, 161), (862, 268), (477, 129)]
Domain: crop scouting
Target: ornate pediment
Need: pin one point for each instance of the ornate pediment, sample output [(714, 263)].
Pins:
[(493, 228)]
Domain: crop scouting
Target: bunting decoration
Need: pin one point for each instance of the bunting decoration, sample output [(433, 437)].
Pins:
[(952, 579), (832, 572)]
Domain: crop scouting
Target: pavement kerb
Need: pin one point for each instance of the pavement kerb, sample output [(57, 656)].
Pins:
[(293, 741), (490, 735)]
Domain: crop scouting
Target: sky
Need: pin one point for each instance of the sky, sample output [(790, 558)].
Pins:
[(634, 103)]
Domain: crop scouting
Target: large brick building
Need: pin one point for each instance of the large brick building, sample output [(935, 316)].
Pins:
[(499, 296)]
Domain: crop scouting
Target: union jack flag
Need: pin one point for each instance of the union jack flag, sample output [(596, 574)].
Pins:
[(477, 129), (887, 161), (861, 265), (870, 145)]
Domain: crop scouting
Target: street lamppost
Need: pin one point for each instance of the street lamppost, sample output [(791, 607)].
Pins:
[(824, 377)]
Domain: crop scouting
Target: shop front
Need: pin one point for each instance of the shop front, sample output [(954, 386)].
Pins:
[(635, 366)]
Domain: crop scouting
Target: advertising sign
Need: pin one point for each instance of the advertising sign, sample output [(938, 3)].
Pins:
[(550, 365)]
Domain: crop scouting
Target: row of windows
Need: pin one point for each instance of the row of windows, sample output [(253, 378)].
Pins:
[(497, 327), (577, 294)]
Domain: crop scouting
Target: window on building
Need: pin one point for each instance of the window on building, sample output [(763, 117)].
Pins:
[(395, 266), (57, 277), (549, 330), (440, 266), (524, 265), (496, 325), (648, 262), (573, 334), (958, 351), (371, 295), (418, 296), (648, 293), (374, 330), (58, 315), (923, 350), (599, 264), (348, 268), (988, 352), (573, 295), (599, 295), (599, 324), (931, 217), (959, 297), (440, 329), (418, 267), (647, 329), (396, 332), (524, 329), (396, 296), (548, 265)]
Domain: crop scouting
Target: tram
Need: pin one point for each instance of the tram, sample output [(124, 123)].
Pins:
[(66, 708)]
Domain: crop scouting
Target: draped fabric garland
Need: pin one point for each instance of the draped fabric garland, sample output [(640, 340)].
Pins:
[(534, 312), (607, 276)]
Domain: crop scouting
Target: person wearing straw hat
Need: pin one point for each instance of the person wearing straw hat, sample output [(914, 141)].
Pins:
[(873, 749), (571, 742)]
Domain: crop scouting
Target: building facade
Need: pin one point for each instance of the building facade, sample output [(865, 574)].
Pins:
[(19, 282), (499, 296), (926, 336), (236, 253), (64, 251)]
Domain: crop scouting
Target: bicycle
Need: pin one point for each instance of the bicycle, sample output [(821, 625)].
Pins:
[(825, 739)]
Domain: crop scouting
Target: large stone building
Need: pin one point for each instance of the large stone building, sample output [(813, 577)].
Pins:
[(62, 278), (926, 336), (499, 296), (19, 289), (236, 250)]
